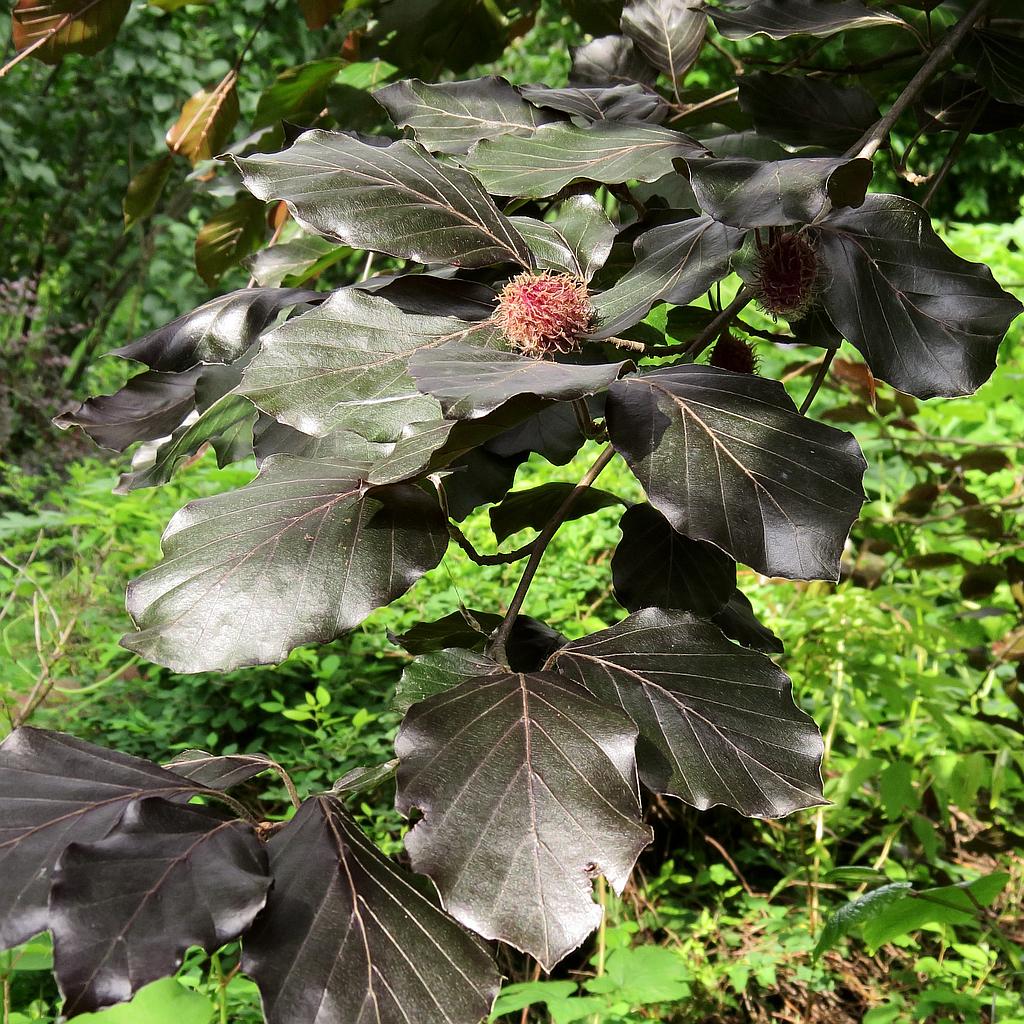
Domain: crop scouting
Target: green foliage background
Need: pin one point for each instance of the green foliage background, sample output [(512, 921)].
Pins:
[(925, 763)]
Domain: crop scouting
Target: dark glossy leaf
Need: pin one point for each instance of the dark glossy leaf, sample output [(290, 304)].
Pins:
[(206, 122), (471, 382), (717, 722), (124, 910), (622, 102), (228, 422), (949, 103), (802, 111), (655, 567), (303, 553), (478, 478), (674, 263), (450, 116), (59, 27), (145, 189), (347, 935), (556, 155), (754, 193), (576, 242), (669, 33), (435, 293), (530, 644), (421, 209), (533, 508), (738, 622), (438, 671), (927, 321), (343, 366), (150, 405), (426, 35), (218, 772), (506, 770), (998, 60), (228, 237), (55, 790), (294, 262), (726, 458), (611, 59), (219, 331), (553, 432), (298, 93), (782, 18)]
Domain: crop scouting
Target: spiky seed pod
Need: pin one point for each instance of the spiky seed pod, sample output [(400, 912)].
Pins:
[(732, 353), (787, 276), (544, 313)]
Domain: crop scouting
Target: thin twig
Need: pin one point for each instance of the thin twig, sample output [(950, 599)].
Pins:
[(501, 635), (740, 301), (499, 558), (879, 132), (819, 379), (954, 150)]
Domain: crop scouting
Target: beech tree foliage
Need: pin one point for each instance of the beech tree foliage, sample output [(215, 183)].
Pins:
[(526, 233)]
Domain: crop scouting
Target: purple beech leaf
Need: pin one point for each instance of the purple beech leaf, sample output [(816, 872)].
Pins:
[(653, 566), (348, 936), (124, 910), (529, 645), (998, 59), (213, 771), (478, 478), (553, 432), (342, 366), (471, 382), (927, 321), (219, 331), (300, 555), (295, 261), (449, 117), (717, 722), (55, 28), (528, 791), (755, 193), (576, 242), (227, 424), (738, 622), (802, 111), (726, 458), (438, 671), (55, 790), (434, 293), (534, 507), (151, 405), (555, 155), (781, 18), (591, 103), (674, 263), (669, 33), (610, 59), (393, 198)]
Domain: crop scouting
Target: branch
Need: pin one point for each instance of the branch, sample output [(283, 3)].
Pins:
[(740, 301), (869, 144), (954, 150), (819, 379), (498, 644)]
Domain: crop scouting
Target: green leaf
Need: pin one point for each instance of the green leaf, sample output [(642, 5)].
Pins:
[(145, 189), (162, 1002), (949, 904), (421, 209), (541, 164), (844, 919), (303, 553), (298, 93), (641, 975)]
